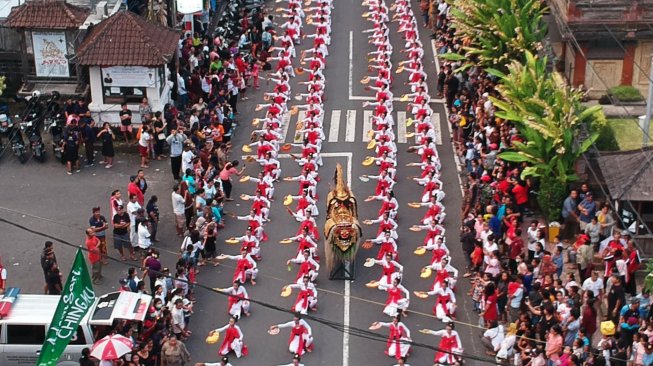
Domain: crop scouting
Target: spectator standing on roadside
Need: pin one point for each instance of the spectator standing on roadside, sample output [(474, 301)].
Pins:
[(176, 142), (94, 255), (53, 280), (570, 217), (134, 190), (99, 225), (132, 208), (88, 136), (152, 209), (121, 239), (3, 278), (179, 208), (144, 146), (48, 257), (107, 137), (587, 210), (125, 122)]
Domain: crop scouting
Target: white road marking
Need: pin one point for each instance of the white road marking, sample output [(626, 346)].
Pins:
[(435, 120), (334, 128), (351, 63), (286, 124), (437, 64), (350, 135), (395, 99), (300, 117), (367, 124), (401, 127)]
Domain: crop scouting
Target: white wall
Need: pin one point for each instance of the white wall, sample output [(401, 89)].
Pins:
[(109, 112)]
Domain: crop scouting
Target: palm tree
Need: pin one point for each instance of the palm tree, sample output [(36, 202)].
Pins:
[(549, 115), (496, 32)]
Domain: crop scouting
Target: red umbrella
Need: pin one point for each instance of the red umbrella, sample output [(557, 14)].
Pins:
[(111, 347)]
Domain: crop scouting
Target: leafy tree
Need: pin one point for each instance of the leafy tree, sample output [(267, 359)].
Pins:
[(549, 115), (496, 32)]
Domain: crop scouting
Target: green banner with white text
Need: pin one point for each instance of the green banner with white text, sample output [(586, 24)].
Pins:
[(76, 300)]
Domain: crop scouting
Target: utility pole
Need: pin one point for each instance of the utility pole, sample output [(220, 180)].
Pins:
[(649, 105)]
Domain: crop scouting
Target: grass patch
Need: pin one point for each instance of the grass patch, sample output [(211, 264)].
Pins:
[(626, 93), (628, 134)]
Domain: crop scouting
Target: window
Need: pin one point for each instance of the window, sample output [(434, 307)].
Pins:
[(78, 338), (25, 334), (119, 94)]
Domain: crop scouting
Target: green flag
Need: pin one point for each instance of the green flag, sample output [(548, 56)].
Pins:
[(76, 300)]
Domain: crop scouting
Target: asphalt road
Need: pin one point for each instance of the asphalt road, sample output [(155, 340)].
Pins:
[(44, 199)]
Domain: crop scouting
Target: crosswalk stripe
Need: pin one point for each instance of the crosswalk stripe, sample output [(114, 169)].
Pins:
[(401, 127), (352, 125), (334, 127), (286, 124), (300, 117), (350, 135), (435, 120), (367, 124)]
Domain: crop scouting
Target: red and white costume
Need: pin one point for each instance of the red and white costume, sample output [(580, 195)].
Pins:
[(233, 341), (301, 336)]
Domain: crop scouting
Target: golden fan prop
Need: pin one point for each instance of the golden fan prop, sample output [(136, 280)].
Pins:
[(244, 178), (409, 122), (368, 161), (426, 272), (213, 338), (404, 98), (286, 291), (400, 69), (273, 331), (365, 80), (421, 294), (293, 111), (414, 205), (244, 197), (287, 200), (231, 241), (285, 241), (258, 107), (371, 145), (286, 147), (420, 251), (255, 122), (369, 262), (247, 149), (414, 228), (372, 284)]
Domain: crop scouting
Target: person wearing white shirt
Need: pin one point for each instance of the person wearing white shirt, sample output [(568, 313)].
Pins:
[(493, 337), (594, 284), (144, 241), (178, 208), (187, 159), (132, 207)]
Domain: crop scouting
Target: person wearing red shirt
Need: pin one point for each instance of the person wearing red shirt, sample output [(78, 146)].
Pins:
[(491, 312), (135, 190), (520, 191), (94, 256), (516, 249)]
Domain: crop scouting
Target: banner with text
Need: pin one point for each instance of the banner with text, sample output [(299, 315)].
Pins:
[(75, 302)]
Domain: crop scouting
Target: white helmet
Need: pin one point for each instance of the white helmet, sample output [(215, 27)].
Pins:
[(3, 118), (36, 94)]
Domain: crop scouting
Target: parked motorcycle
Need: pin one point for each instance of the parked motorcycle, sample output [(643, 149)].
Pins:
[(14, 136), (35, 140)]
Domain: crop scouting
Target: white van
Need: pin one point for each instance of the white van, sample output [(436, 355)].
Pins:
[(23, 330)]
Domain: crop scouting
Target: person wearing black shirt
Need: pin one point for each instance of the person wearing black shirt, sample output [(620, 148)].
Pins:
[(80, 107), (121, 240), (125, 122), (152, 209), (88, 135), (53, 280), (616, 298)]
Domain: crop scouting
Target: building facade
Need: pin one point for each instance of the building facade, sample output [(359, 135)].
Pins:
[(604, 43)]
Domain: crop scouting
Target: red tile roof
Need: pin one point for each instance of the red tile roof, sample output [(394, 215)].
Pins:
[(126, 39), (47, 14)]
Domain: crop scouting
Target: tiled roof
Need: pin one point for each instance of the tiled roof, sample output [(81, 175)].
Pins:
[(126, 39), (628, 174), (47, 14)]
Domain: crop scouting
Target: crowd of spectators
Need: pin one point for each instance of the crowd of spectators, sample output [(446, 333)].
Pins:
[(567, 298)]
